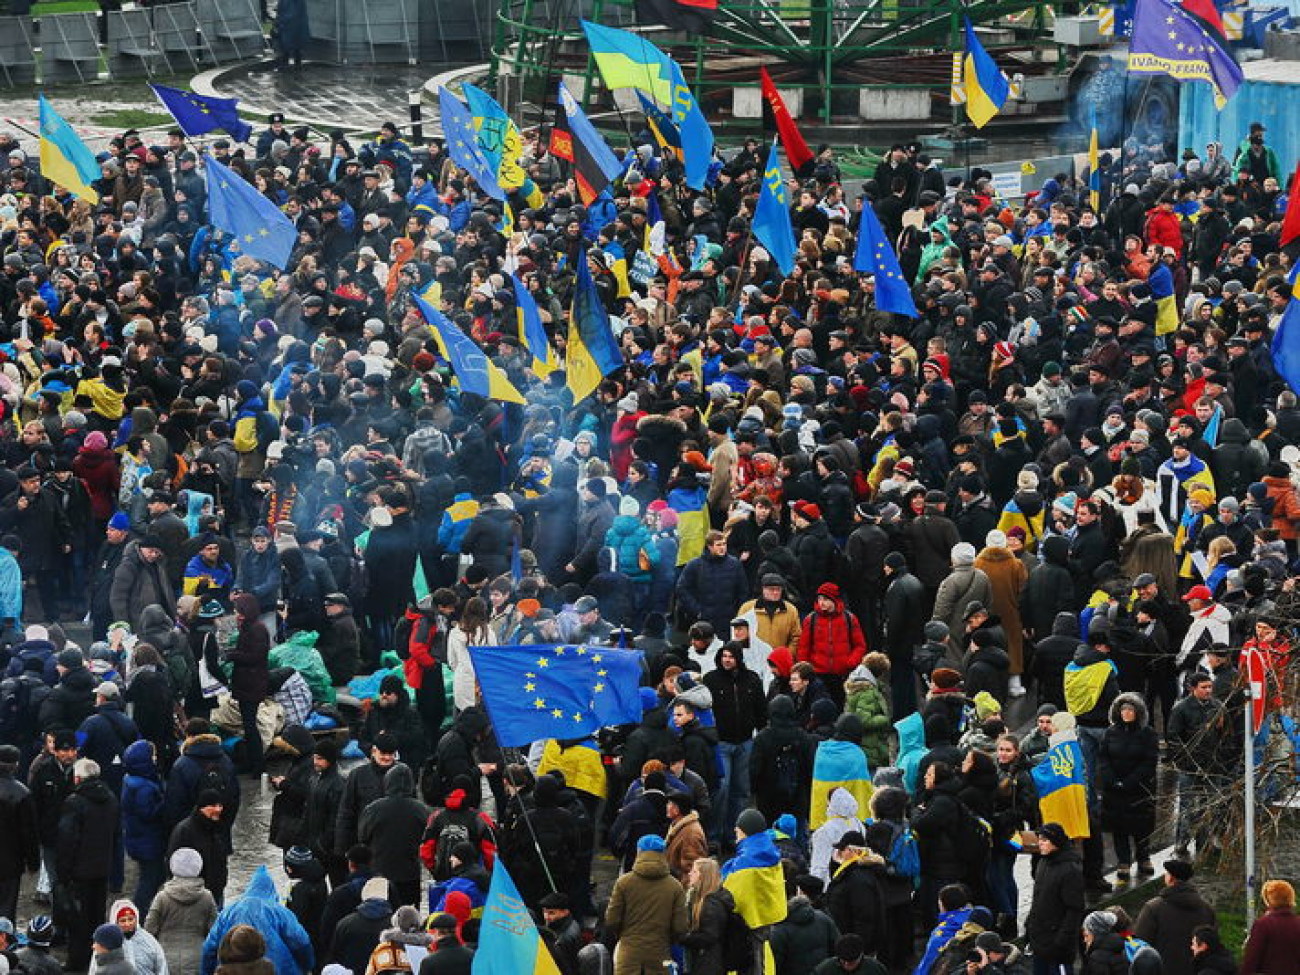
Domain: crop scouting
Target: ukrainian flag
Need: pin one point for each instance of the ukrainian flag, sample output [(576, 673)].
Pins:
[(579, 763), (508, 940), (65, 159), (531, 331), (1062, 787), (987, 88), (1094, 166), (756, 881), (838, 765), (593, 352), (626, 60), (1161, 283), (1084, 685)]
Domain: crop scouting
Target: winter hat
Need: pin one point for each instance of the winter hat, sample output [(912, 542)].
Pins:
[(120, 521), (1100, 922), (629, 507), (787, 824), (1055, 834), (1027, 481), (996, 539), (186, 862), (70, 658), (650, 842), (751, 822), (936, 631), (963, 554), (1045, 710), (986, 705), (108, 936), (297, 856), (36, 632)]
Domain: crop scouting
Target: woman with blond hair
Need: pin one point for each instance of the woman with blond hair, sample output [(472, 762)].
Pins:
[(709, 906)]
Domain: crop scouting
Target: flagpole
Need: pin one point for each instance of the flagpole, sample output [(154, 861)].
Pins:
[(532, 834), (744, 256), (1249, 751)]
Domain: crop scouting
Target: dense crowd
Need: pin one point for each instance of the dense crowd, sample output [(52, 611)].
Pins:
[(842, 539)]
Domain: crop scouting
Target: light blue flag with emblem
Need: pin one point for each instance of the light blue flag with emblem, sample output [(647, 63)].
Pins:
[(772, 224), (255, 224)]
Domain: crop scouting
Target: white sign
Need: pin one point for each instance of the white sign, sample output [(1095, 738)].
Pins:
[(1007, 185)]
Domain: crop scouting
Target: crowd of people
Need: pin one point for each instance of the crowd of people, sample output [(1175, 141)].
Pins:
[(1065, 490)]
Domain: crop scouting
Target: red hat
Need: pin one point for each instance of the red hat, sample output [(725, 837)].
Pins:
[(906, 467), (945, 678), (829, 590), (423, 361), (1006, 350), (1199, 592), (934, 364), (807, 511), (696, 460)]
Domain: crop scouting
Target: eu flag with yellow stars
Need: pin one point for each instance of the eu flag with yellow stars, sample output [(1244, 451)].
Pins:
[(556, 691), (1166, 39), (876, 256), (258, 227), (198, 114)]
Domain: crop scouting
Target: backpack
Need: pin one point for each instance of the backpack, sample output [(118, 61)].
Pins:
[(786, 770), (737, 944), (905, 855), (453, 831), (15, 708)]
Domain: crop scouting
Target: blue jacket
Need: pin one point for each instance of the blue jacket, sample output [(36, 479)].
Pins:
[(104, 736), (143, 826), (628, 537), (42, 650), (260, 575), (288, 947)]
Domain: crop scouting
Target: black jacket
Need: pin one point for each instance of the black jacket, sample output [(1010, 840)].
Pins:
[(87, 832), (358, 935), (1052, 654), (855, 900), (70, 703), (804, 939), (773, 795), (21, 849), (935, 824), (905, 616), (212, 841), (364, 785), (1105, 956), (1050, 589), (739, 704), (393, 826), (1052, 927), (1126, 768)]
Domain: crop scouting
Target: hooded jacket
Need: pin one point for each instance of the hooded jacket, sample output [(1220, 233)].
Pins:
[(87, 831), (841, 817), (739, 705), (1166, 923), (804, 939), (832, 642), (179, 918), (393, 826), (287, 946), (143, 824), (1126, 768), (782, 734), (866, 698), (855, 899), (1052, 654), (1052, 927), (647, 914)]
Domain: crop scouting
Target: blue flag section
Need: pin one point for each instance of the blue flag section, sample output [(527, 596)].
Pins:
[(235, 206), (199, 114), (1286, 339), (556, 691), (875, 255), (462, 144), (772, 224)]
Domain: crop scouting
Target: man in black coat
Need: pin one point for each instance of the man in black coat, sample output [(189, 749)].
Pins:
[(392, 827), (447, 956), (855, 898), (73, 699), (364, 785), (457, 755), (21, 850), (865, 551), (204, 831), (1052, 927), (1090, 547), (739, 711), (88, 830), (551, 831), (906, 611), (346, 895), (358, 934), (36, 518)]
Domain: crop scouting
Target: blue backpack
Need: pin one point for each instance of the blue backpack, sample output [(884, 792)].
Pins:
[(905, 855)]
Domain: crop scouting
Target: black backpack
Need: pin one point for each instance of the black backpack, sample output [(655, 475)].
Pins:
[(15, 709), (787, 770), (212, 779)]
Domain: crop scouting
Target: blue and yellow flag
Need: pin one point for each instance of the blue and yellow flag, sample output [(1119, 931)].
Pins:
[(772, 224), (498, 137), (257, 225), (987, 88), (1161, 283), (508, 942), (592, 352), (1084, 685), (838, 765), (199, 114), (556, 691), (532, 333), (756, 881), (875, 256), (1094, 165), (1062, 786), (65, 159), (661, 125), (475, 371), (579, 762), (627, 60)]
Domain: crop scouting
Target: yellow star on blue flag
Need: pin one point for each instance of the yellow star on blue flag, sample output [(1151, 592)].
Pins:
[(199, 114)]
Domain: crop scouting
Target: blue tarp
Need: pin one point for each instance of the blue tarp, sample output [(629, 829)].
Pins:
[(1274, 104)]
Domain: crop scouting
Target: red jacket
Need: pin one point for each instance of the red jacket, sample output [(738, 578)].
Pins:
[(1274, 944), (832, 642), (620, 444), (1164, 229)]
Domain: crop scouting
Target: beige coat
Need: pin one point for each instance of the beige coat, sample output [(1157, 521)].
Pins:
[(1007, 578)]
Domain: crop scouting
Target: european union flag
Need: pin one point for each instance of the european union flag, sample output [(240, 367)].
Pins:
[(556, 691), (1169, 40), (663, 127), (256, 224), (477, 373), (875, 256), (462, 144), (772, 217), (197, 114)]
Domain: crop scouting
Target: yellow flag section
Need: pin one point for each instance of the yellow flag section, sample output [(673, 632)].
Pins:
[(579, 763), (1061, 786), (65, 159), (838, 765), (756, 881), (1084, 684)]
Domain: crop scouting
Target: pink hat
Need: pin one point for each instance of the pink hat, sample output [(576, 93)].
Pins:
[(96, 441)]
